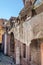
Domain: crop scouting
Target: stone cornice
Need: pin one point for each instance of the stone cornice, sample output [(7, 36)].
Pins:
[(26, 11)]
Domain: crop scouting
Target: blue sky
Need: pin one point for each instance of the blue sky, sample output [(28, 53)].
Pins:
[(10, 8), (38, 2)]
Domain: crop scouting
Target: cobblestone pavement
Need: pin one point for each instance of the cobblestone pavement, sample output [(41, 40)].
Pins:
[(5, 60)]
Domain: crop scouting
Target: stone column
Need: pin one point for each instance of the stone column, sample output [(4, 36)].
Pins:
[(5, 43), (18, 56)]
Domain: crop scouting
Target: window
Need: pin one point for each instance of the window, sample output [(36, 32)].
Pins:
[(33, 12)]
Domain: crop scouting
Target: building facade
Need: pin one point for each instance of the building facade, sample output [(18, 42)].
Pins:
[(2, 30), (25, 35)]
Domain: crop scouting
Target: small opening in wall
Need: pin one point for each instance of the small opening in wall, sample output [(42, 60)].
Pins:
[(33, 12), (24, 50)]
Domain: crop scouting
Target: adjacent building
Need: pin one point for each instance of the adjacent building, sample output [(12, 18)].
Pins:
[(2, 30)]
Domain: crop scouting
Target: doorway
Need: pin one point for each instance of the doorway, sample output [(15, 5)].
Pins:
[(35, 52), (12, 43), (0, 47)]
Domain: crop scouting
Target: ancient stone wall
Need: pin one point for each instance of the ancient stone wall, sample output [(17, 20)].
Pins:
[(35, 53), (27, 31)]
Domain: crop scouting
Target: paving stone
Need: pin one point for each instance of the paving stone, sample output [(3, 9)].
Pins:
[(5, 60)]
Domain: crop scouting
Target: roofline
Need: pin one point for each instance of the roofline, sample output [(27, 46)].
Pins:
[(38, 5)]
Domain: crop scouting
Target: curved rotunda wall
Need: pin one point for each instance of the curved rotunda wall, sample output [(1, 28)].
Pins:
[(30, 29), (37, 25), (25, 33)]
